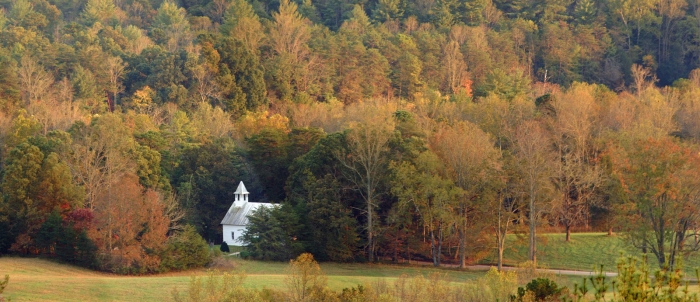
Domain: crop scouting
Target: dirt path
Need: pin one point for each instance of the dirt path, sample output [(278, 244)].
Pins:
[(563, 272)]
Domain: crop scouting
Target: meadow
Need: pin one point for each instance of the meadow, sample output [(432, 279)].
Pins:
[(33, 279), (38, 279), (585, 252)]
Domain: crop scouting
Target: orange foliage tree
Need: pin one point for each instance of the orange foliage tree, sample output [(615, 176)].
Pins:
[(660, 200), (130, 227)]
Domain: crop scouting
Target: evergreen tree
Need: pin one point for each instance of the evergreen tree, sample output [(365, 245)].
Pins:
[(270, 234)]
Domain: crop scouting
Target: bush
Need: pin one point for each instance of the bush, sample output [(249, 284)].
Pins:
[(224, 247), (542, 289), (636, 282), (352, 294), (215, 287), (3, 284), (498, 286), (184, 251), (305, 279)]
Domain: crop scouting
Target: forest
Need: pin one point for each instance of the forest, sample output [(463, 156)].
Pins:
[(385, 129)]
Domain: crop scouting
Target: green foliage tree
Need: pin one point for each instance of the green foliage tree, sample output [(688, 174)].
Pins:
[(241, 23), (364, 161), (267, 151), (34, 185), (103, 11), (421, 187), (204, 179), (171, 27), (61, 239), (186, 250), (240, 74), (270, 234), (334, 234), (387, 10)]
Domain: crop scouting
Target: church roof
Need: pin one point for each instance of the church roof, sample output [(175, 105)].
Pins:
[(241, 189), (239, 215)]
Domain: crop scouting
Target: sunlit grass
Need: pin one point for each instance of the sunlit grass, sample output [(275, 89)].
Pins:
[(43, 280), (585, 251)]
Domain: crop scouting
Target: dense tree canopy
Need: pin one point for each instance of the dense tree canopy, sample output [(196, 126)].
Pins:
[(403, 129)]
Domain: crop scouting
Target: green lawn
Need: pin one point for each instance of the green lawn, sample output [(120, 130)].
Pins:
[(43, 280), (584, 252)]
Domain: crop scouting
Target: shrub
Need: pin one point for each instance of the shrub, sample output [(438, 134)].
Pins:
[(354, 294), (3, 284), (636, 282), (498, 286), (227, 287), (542, 289), (305, 279), (224, 247), (185, 250)]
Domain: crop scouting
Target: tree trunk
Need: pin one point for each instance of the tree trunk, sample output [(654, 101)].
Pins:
[(370, 231), (500, 258), (610, 231), (396, 247), (568, 232), (462, 242), (500, 244), (432, 248), (408, 250), (439, 249), (533, 248)]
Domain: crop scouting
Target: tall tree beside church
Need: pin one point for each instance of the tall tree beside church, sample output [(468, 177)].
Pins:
[(205, 179), (365, 165), (267, 151), (333, 228)]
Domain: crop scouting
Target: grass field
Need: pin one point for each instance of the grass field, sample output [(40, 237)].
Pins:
[(584, 252), (34, 279)]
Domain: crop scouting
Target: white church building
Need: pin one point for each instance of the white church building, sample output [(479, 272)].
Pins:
[(236, 219)]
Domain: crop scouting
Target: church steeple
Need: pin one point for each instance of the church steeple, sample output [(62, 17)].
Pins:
[(240, 197)]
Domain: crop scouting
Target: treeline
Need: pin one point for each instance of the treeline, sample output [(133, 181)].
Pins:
[(394, 129)]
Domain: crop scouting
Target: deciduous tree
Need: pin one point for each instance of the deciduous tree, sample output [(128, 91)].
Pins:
[(470, 157), (435, 199), (661, 200), (532, 152), (365, 164)]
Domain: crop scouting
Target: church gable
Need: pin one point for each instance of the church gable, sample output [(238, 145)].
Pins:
[(236, 219)]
